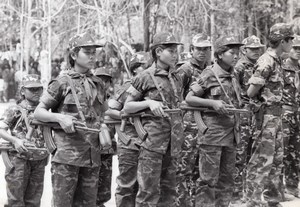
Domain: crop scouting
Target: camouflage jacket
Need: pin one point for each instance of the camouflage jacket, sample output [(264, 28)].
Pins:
[(220, 127), (244, 70), (290, 92), (82, 147), (14, 118), (160, 130), (269, 74), (120, 96)]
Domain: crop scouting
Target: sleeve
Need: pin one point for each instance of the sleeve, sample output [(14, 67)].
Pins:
[(139, 86), (239, 71), (54, 94), (184, 75), (10, 117), (263, 70)]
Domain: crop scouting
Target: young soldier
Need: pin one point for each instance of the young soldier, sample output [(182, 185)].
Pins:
[(105, 174), (128, 147), (266, 85), (25, 181), (189, 72), (244, 69), (290, 121), (218, 88), (154, 90), (78, 95)]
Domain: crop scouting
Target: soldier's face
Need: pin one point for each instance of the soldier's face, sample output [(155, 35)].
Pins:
[(295, 53), (287, 45), (86, 57), (253, 53), (201, 53), (168, 56), (32, 94), (230, 57)]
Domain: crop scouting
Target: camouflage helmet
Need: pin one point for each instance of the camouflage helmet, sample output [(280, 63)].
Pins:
[(228, 41), (252, 42), (103, 71), (201, 40), (280, 31), (164, 38), (82, 40), (296, 41), (31, 81)]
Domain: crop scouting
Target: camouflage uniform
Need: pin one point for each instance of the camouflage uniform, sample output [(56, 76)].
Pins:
[(76, 161), (188, 171), (25, 181), (244, 70), (290, 123), (156, 162), (265, 166)]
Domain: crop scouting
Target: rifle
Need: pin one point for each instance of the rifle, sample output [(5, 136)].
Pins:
[(137, 121), (198, 118), (117, 122), (47, 131), (7, 146)]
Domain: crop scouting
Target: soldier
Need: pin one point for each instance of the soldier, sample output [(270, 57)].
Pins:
[(290, 121), (189, 72), (217, 88), (77, 95), (266, 85), (244, 70), (128, 147), (25, 180), (105, 174), (152, 91)]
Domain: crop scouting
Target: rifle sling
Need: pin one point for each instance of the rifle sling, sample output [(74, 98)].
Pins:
[(158, 88), (75, 98)]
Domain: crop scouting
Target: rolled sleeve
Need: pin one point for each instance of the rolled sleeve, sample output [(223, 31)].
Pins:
[(54, 94), (197, 89), (263, 71)]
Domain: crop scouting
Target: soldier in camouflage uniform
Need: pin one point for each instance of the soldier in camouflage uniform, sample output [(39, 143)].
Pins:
[(105, 174), (187, 172), (151, 91), (77, 95), (128, 150), (25, 181), (290, 121), (266, 84), (244, 69), (218, 88)]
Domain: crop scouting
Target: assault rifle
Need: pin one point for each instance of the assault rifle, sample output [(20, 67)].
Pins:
[(7, 146), (198, 118), (47, 131), (137, 121)]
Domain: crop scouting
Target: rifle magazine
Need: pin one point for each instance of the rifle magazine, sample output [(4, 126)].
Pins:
[(199, 121), (47, 133), (9, 166), (139, 128)]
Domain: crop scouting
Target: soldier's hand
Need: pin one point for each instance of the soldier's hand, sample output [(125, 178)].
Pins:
[(67, 123), (19, 145), (157, 108), (220, 106)]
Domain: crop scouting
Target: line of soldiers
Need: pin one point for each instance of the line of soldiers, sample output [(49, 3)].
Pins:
[(166, 158)]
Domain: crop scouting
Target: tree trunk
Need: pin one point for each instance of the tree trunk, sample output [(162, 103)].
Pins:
[(146, 18)]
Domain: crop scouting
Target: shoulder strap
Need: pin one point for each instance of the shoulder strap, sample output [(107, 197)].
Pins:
[(158, 87), (75, 98), (220, 83)]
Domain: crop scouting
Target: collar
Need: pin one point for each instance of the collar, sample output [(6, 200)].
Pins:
[(158, 71), (193, 61), (245, 59), (273, 54), (24, 104), (221, 72), (74, 74), (291, 65)]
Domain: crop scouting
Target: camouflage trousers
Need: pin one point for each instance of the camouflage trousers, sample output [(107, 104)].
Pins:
[(104, 183), (187, 170), (156, 178), (265, 166), (243, 153), (127, 179), (74, 186), (216, 181), (291, 140), (25, 183)]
